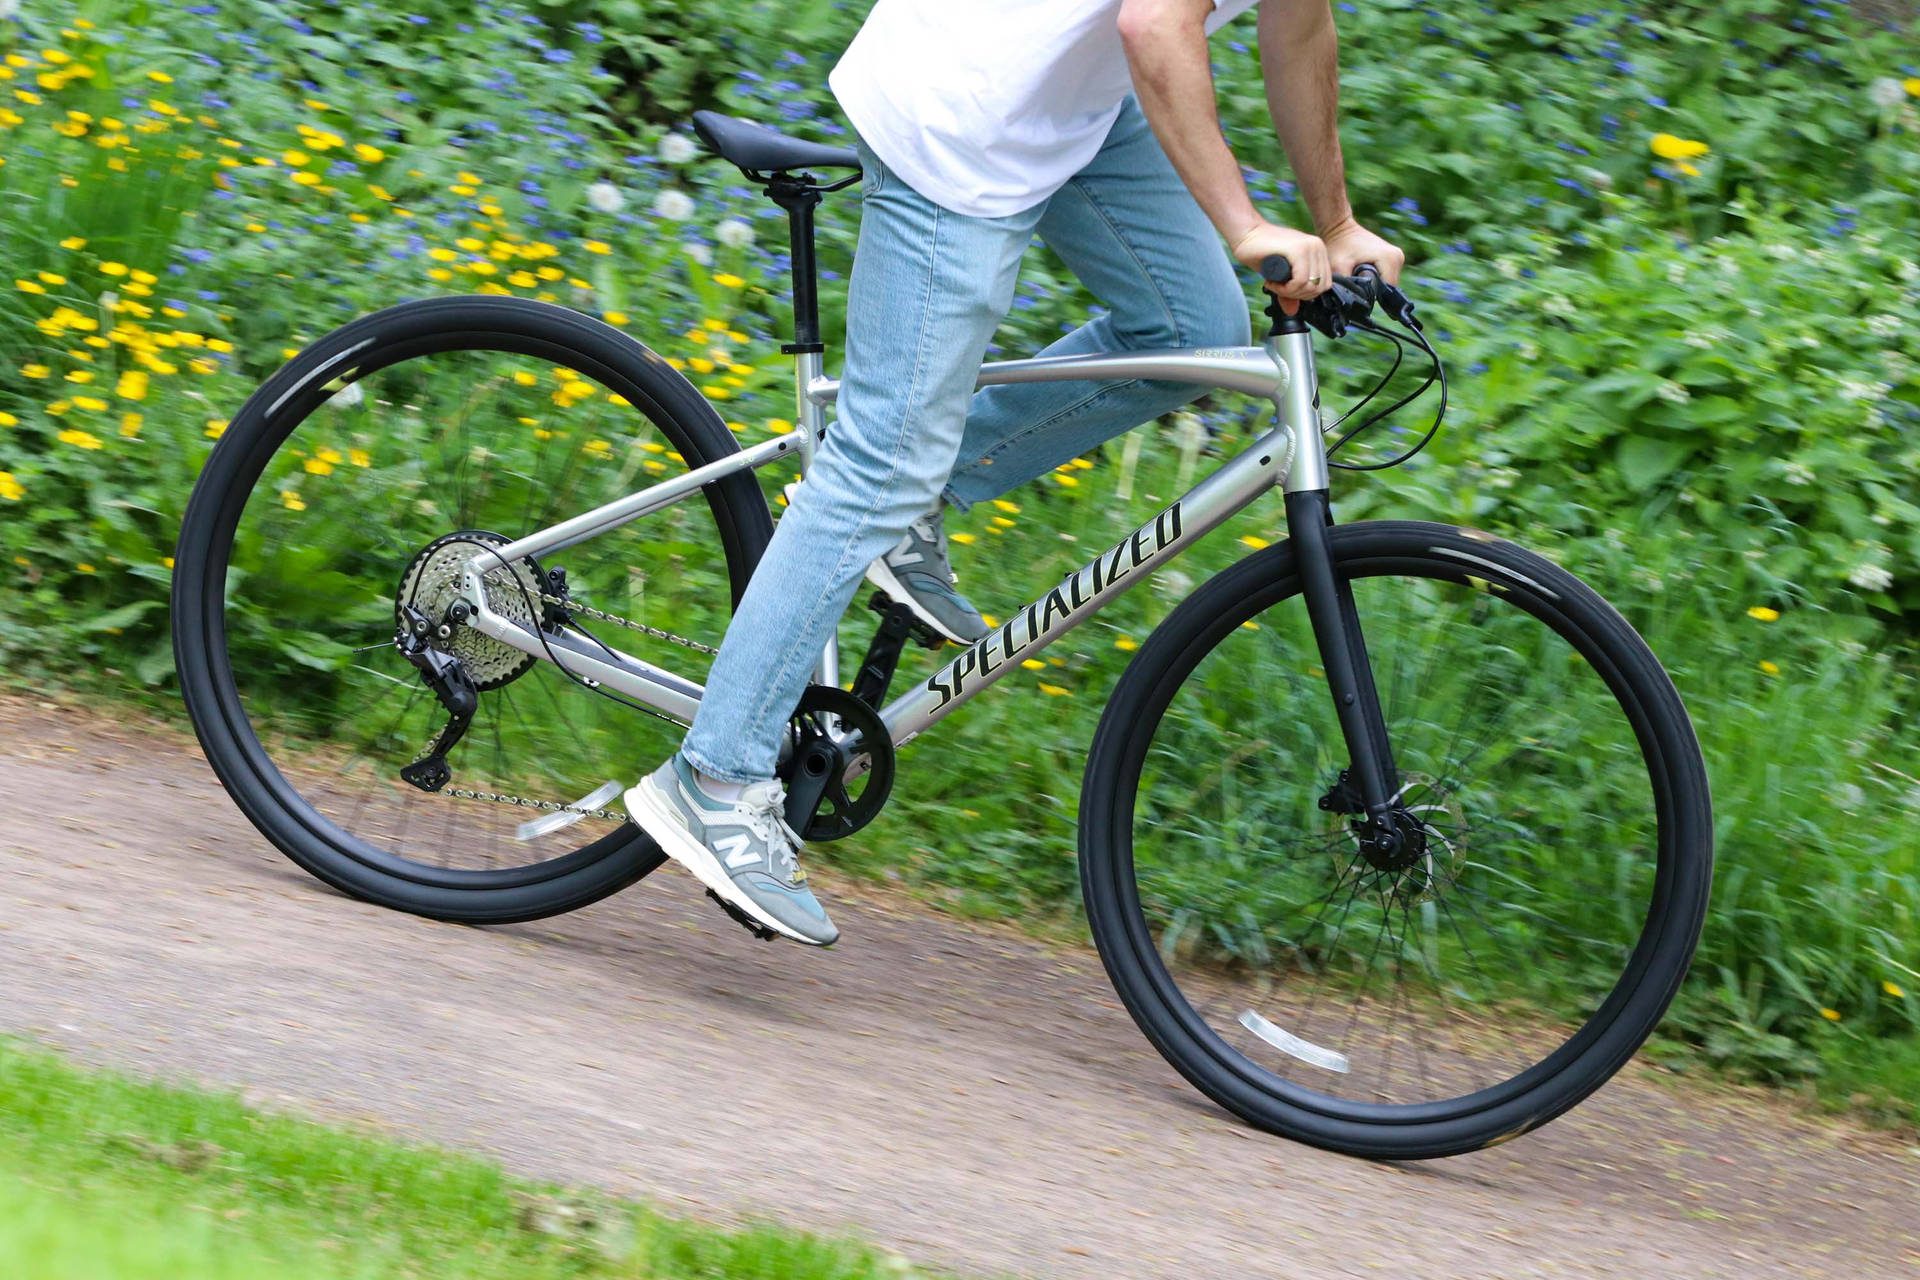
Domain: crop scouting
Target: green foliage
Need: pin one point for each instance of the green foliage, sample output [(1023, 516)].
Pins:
[(1686, 371), (106, 1176)]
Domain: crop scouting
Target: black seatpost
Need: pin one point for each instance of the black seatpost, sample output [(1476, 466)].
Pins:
[(799, 196)]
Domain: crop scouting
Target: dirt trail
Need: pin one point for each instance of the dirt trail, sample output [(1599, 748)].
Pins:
[(974, 1101)]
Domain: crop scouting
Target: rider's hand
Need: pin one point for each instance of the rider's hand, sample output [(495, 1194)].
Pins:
[(1312, 274), (1351, 246)]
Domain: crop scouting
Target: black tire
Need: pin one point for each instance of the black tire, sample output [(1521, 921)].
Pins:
[(1425, 561), (457, 326)]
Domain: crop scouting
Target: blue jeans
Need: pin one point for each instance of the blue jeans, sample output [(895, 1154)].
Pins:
[(929, 287)]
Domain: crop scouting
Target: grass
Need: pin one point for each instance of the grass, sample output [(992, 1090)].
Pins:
[(109, 1178)]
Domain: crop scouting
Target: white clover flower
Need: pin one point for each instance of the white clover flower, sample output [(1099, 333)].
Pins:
[(677, 148), (1672, 392), (1887, 92), (1849, 796), (1598, 177), (349, 396), (1798, 473), (1871, 577), (606, 197), (733, 233), (1883, 326), (700, 254), (675, 206), (1908, 271)]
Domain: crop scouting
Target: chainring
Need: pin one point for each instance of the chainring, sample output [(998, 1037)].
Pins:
[(433, 582), (858, 739)]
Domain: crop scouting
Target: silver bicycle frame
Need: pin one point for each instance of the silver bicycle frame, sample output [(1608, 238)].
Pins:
[(1291, 455)]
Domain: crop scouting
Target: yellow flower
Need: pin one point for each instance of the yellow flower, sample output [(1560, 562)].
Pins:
[(295, 158), (578, 390), (1054, 690), (29, 286), (1669, 147), (1831, 1015), (1011, 508), (80, 375), (598, 448), (216, 427), (442, 255), (1771, 668), (79, 439), (1082, 464), (1250, 626), (700, 364), (359, 457), (73, 242), (130, 424), (118, 268), (317, 466), (48, 277), (1761, 613), (132, 386), (1002, 522), (1912, 85), (1891, 988), (1691, 171), (727, 281), (306, 179), (717, 393), (1034, 664), (525, 379), (9, 487), (291, 500), (8, 420), (35, 371), (166, 562), (1126, 644), (367, 154), (84, 568), (93, 404), (159, 77), (779, 426), (616, 317), (597, 246), (1071, 482), (1258, 544)]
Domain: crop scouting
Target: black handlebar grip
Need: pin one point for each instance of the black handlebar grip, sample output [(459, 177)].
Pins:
[(1275, 269)]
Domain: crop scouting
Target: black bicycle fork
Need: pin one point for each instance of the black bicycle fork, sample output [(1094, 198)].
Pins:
[(1371, 783)]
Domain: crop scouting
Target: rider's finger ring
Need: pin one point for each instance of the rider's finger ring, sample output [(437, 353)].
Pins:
[(1313, 279)]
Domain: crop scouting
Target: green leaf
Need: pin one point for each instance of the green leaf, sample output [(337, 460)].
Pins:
[(1645, 461)]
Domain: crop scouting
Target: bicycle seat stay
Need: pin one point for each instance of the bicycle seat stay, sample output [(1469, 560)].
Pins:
[(759, 151)]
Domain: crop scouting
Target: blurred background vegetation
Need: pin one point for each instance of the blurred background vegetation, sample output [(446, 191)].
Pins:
[(1670, 252)]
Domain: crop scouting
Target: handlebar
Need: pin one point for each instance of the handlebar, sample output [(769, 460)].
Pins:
[(1348, 301)]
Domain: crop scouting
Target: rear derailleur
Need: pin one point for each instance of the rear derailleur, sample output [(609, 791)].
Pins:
[(444, 674)]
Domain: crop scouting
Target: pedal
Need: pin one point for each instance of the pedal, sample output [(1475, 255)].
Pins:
[(744, 920), (900, 617)]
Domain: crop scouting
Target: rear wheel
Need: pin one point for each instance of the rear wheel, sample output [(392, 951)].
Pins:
[(1502, 964), (345, 498)]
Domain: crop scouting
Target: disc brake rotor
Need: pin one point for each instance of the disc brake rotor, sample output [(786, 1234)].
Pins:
[(433, 582)]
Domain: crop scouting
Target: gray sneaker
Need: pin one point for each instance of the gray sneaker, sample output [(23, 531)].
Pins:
[(743, 851), (916, 574)]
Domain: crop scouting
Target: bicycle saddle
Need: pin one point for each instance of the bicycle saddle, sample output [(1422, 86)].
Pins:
[(757, 149)]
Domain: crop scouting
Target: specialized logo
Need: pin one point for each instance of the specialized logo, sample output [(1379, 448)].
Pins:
[(736, 851), (1054, 612)]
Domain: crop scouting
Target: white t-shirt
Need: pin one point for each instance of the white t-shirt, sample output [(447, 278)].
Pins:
[(987, 107)]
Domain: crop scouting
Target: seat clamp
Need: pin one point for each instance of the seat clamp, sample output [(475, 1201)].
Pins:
[(803, 348)]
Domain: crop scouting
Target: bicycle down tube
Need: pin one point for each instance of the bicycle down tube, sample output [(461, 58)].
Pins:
[(1281, 371)]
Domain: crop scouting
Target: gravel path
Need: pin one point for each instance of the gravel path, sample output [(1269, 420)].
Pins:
[(974, 1100)]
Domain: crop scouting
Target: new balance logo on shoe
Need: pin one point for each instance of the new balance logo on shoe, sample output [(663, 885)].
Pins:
[(737, 851)]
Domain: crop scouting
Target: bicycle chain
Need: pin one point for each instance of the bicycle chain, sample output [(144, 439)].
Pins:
[(571, 604)]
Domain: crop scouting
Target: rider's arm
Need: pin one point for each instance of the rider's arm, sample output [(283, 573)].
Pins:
[(1300, 60), (1166, 44)]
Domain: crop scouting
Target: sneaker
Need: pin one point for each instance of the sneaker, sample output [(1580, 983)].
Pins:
[(916, 574), (743, 850)]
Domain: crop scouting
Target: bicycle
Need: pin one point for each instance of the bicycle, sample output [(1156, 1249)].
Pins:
[(1278, 809)]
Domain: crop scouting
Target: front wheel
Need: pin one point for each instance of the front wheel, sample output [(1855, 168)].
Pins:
[(1491, 973)]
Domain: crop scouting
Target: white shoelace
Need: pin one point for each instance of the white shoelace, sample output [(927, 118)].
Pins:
[(766, 805)]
